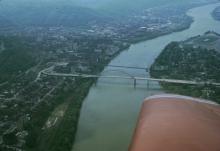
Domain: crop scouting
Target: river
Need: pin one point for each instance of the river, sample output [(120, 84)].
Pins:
[(110, 111)]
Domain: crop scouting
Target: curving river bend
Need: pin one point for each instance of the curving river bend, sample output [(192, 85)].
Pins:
[(110, 111)]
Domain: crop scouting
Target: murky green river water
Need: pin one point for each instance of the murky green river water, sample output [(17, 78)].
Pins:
[(110, 111)]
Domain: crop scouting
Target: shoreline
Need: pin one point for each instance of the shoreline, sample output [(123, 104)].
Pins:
[(166, 66), (136, 42), (120, 51), (142, 39), (80, 145), (87, 88)]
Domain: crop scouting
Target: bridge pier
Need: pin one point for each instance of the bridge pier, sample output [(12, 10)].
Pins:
[(148, 84), (135, 82)]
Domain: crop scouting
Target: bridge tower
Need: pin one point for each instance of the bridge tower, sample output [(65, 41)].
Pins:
[(148, 84), (135, 82)]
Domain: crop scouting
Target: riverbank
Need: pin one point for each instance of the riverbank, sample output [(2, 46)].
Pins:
[(66, 131), (52, 139), (150, 36), (27, 103), (110, 110), (144, 38), (196, 59), (61, 134), (74, 108)]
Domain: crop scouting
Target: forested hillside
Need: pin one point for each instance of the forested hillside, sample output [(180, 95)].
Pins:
[(189, 62), (15, 58), (48, 14)]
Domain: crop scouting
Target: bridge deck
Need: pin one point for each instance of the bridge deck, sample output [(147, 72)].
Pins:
[(129, 67), (134, 78)]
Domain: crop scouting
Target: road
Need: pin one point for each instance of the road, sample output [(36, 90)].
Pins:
[(175, 81)]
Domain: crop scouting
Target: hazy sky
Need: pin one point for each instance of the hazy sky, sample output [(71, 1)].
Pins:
[(55, 12), (99, 4)]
